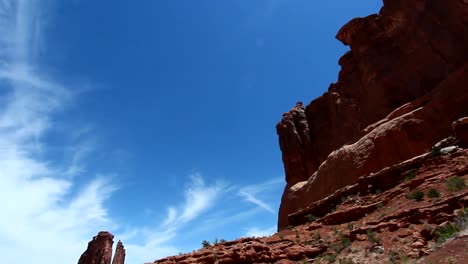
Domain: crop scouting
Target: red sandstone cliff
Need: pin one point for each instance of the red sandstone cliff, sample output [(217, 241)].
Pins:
[(413, 53)]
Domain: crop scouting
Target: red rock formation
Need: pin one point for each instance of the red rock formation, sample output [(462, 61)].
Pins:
[(99, 250), (398, 139), (248, 250), (119, 256), (295, 144), (460, 128), (411, 52)]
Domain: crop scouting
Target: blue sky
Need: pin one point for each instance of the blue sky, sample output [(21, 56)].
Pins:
[(154, 120)]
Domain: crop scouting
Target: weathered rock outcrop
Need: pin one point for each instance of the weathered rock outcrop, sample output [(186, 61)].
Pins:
[(401, 85), (99, 250), (295, 144), (460, 128), (249, 250)]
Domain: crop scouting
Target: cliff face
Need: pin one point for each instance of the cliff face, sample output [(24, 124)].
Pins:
[(401, 85), (99, 250)]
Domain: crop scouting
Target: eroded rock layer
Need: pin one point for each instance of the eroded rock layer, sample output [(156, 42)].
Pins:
[(401, 85)]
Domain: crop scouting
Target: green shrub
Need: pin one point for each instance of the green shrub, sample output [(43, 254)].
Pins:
[(446, 232), (435, 151), (330, 257), (415, 195), (455, 184), (452, 229), (336, 231), (410, 176), (205, 244), (311, 217), (433, 193), (371, 236), (342, 244), (345, 241), (461, 220)]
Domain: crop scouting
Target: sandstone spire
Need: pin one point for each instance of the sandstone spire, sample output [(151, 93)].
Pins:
[(99, 250), (119, 256)]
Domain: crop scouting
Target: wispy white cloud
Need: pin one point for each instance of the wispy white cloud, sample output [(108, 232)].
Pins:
[(79, 153), (251, 198), (42, 203), (260, 232), (251, 193), (171, 217), (41, 207), (193, 217), (157, 241), (198, 197)]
